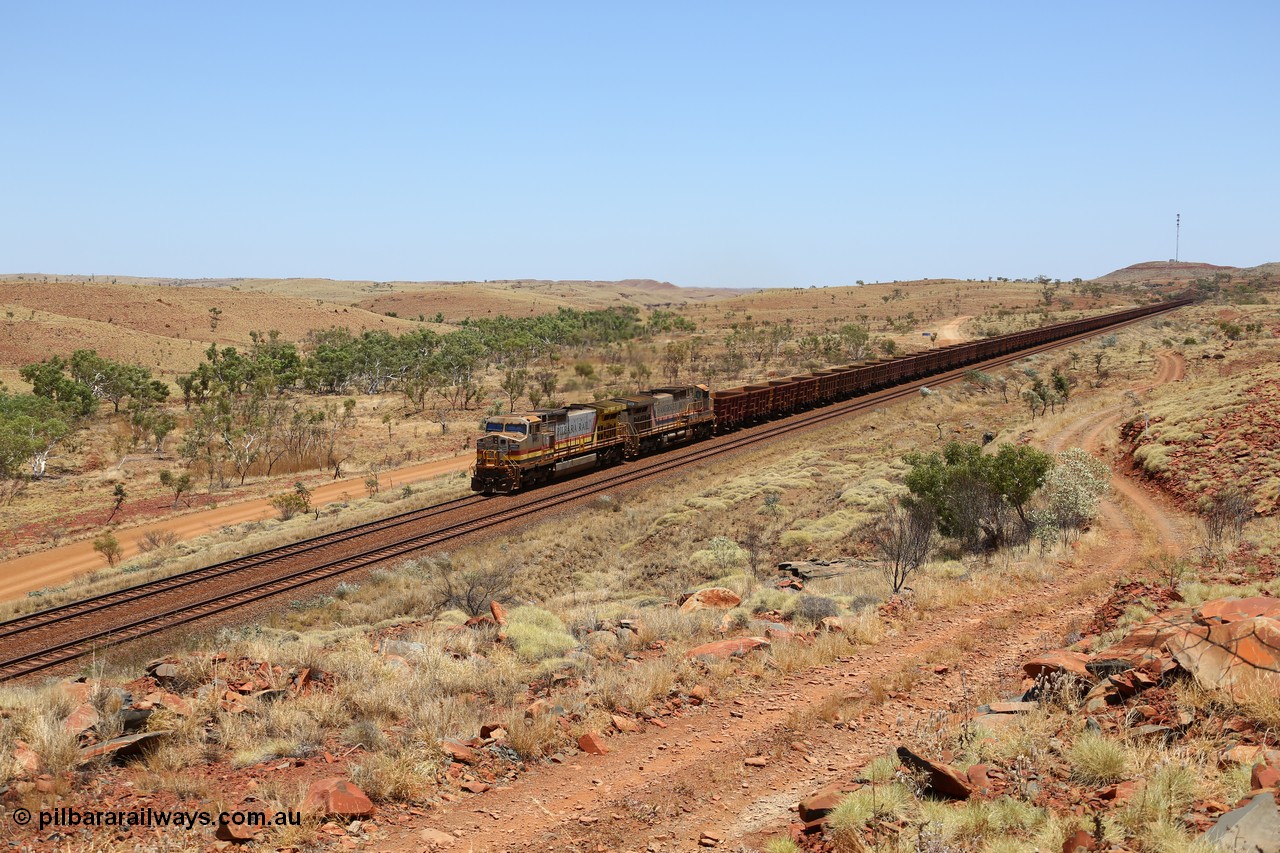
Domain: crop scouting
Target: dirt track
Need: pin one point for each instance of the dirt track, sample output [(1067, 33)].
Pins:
[(659, 790), (949, 332), (59, 565)]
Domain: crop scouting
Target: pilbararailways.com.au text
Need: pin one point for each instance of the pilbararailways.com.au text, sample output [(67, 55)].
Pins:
[(149, 818)]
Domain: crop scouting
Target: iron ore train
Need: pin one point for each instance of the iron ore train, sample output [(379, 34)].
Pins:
[(519, 451)]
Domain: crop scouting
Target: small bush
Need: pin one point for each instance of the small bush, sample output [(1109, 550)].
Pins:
[(811, 608), (402, 775), (782, 845), (537, 635), (865, 804), (155, 540), (109, 547), (1096, 760)]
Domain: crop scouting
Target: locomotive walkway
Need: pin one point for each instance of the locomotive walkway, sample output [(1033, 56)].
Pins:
[(58, 636)]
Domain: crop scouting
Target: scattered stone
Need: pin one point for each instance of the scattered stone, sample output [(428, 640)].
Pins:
[(1264, 776), (592, 744), (499, 613), (128, 746), (1062, 661), (493, 730), (434, 839), (725, 649), (625, 724), (978, 779), (939, 778), (475, 787), (336, 796), (1079, 840), (1245, 754), (400, 648), (83, 718), (1009, 707), (820, 803), (235, 833), (277, 694), (710, 839), (169, 672), (459, 752), (1252, 827), (756, 761), (712, 598), (27, 759)]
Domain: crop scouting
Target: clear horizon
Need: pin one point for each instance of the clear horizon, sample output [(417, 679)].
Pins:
[(720, 145)]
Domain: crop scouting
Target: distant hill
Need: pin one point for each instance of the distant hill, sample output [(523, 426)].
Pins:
[(1164, 271), (165, 324)]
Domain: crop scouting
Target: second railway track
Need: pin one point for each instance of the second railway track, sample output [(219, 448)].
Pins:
[(57, 636)]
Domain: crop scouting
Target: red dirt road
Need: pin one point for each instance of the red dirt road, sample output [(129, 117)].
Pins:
[(660, 789), (59, 565)]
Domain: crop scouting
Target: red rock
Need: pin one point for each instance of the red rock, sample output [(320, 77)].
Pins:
[(1238, 658), (787, 634), (175, 703), (713, 598), (434, 839), (725, 649), (168, 672), (1050, 663), (335, 795), (26, 757), (480, 622), (978, 780), (81, 719), (475, 787), (592, 744), (1079, 840), (459, 752), (756, 761), (499, 613), (940, 778), (1147, 641), (1236, 609), (236, 833), (819, 804), (1012, 707), (122, 747), (625, 724), (1264, 776), (489, 730), (1245, 754), (1121, 791)]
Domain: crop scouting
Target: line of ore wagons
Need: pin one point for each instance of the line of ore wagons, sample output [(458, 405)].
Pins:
[(735, 407)]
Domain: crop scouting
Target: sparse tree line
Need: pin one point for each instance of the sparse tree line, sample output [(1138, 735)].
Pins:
[(245, 417)]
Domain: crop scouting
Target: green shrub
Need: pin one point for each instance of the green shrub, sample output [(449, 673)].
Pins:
[(537, 635)]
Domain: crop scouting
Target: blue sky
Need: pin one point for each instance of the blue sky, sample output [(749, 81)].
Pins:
[(707, 144)]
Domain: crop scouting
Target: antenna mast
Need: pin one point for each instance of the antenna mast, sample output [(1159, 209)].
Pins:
[(1177, 239)]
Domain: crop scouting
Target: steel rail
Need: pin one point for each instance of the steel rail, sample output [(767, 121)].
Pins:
[(526, 503)]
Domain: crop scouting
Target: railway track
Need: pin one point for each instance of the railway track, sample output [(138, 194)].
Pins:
[(57, 636)]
